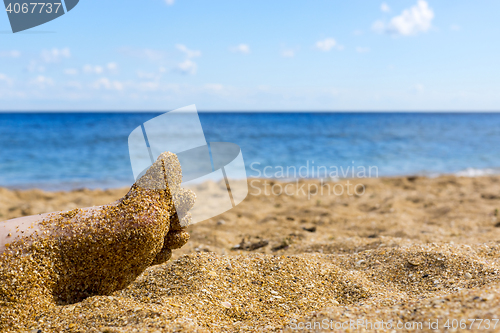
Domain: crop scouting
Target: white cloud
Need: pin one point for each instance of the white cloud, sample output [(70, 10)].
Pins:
[(6, 79), (112, 66), (288, 53), (385, 7), (242, 48), (71, 71), (151, 75), (418, 88), (89, 69), (105, 83), (42, 81), (33, 66), (189, 53), (410, 22), (149, 54), (328, 44), (360, 49), (148, 86), (455, 27), (55, 55), (74, 85), (10, 54), (187, 67), (379, 26), (169, 2), (146, 75), (215, 87)]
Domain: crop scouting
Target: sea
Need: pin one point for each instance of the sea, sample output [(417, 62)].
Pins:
[(62, 151)]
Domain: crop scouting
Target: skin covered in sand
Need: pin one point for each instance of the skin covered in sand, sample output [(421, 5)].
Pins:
[(62, 258)]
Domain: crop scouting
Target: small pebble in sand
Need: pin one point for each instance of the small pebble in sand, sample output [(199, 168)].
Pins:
[(311, 229), (359, 262), (414, 262), (227, 305), (468, 275)]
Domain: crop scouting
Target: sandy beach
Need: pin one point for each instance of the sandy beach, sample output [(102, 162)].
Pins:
[(411, 251)]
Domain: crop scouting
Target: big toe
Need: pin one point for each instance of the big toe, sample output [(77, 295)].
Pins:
[(164, 173)]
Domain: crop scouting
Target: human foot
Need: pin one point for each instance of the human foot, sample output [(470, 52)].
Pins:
[(68, 256)]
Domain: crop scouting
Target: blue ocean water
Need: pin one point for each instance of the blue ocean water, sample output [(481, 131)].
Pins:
[(73, 150)]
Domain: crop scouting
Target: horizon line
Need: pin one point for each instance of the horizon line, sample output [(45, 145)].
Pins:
[(252, 111)]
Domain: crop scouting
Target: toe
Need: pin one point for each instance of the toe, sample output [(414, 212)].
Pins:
[(176, 224), (164, 173), (163, 256), (184, 200), (175, 239)]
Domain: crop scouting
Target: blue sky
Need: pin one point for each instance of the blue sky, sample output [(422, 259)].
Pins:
[(257, 55)]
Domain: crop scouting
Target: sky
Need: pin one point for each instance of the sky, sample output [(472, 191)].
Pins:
[(321, 55)]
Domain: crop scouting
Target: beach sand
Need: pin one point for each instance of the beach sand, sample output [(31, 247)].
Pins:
[(414, 250)]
